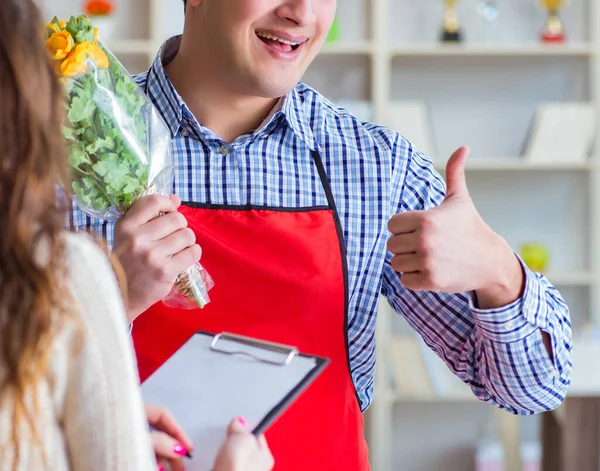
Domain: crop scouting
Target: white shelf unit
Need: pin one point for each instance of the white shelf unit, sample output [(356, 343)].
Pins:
[(388, 51)]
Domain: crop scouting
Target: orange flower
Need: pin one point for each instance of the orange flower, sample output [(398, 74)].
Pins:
[(60, 45), (98, 7), (77, 62)]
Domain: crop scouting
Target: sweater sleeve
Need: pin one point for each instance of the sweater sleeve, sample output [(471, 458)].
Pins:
[(103, 416)]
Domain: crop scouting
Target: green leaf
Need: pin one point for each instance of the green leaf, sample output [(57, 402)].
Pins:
[(68, 133), (81, 110), (107, 144), (72, 26), (78, 157)]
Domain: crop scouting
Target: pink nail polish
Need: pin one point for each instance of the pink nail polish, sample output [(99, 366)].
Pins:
[(161, 469), (242, 421), (179, 449)]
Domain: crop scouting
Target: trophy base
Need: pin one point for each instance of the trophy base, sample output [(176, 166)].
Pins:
[(549, 37), (451, 36)]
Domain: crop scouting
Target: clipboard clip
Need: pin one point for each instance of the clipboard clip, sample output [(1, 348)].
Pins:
[(289, 352)]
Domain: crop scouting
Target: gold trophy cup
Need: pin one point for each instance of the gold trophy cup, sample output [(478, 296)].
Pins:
[(451, 30), (553, 32)]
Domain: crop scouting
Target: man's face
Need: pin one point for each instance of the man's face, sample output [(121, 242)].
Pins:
[(261, 47)]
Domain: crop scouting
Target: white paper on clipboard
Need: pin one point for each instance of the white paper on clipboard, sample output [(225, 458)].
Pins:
[(212, 380)]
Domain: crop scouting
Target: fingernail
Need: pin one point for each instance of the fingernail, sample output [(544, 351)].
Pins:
[(161, 469), (179, 449), (242, 421)]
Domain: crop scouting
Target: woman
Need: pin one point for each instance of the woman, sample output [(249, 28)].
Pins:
[(69, 398)]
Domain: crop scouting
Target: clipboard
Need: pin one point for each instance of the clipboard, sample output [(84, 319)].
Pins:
[(212, 379)]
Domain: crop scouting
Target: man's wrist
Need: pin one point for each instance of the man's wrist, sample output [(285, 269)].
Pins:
[(133, 313), (506, 280)]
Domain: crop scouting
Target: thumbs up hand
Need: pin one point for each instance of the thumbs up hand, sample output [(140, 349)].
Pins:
[(451, 249)]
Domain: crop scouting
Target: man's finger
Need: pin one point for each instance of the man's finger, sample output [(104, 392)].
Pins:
[(148, 208), (403, 243), (163, 226), (407, 263), (176, 200), (184, 259), (174, 243), (404, 223), (415, 281), (456, 182)]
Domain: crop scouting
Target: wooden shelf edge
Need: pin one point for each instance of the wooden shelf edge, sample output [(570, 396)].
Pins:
[(498, 50)]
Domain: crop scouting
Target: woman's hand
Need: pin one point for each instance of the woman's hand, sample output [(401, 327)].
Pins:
[(169, 440), (242, 451)]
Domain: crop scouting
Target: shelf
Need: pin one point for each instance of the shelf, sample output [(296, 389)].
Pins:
[(130, 46), (347, 48), (141, 46), (399, 398), (518, 164), (570, 279), (509, 50)]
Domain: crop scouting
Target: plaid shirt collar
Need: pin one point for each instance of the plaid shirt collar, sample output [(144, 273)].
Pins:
[(291, 111)]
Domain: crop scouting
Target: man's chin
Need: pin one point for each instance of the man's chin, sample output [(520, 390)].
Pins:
[(274, 88)]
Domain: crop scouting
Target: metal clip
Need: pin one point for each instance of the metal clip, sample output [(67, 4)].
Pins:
[(289, 352)]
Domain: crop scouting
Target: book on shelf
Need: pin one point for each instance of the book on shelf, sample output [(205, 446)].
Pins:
[(562, 133), (419, 373)]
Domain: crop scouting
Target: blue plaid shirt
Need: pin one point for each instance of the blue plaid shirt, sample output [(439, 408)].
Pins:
[(374, 174)]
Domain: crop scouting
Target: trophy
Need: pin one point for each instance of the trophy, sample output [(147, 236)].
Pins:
[(451, 30), (553, 31)]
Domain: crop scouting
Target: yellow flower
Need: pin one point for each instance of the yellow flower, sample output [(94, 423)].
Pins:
[(77, 62), (54, 27), (60, 45)]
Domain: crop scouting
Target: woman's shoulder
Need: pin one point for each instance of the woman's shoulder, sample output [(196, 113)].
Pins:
[(90, 275), (81, 245)]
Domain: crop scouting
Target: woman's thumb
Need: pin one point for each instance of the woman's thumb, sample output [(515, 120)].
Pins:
[(238, 426)]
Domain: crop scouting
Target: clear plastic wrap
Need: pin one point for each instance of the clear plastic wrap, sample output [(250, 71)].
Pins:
[(119, 146)]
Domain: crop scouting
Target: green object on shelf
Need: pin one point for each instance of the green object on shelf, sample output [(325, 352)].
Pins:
[(536, 256), (334, 31)]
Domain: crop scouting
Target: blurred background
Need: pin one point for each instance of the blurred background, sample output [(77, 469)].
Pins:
[(519, 82)]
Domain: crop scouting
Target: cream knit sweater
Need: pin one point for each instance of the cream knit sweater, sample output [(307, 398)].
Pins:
[(93, 417)]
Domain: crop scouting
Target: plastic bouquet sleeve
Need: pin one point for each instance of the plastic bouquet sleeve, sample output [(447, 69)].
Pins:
[(119, 148)]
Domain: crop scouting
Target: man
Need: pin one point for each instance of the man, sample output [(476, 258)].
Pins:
[(291, 199)]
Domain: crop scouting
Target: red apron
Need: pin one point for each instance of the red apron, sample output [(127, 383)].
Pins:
[(280, 275)]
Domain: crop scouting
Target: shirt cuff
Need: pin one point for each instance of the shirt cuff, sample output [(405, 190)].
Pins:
[(517, 320)]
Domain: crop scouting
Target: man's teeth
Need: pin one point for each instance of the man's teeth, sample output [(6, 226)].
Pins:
[(275, 38)]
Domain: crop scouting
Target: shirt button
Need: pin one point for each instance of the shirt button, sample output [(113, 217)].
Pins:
[(509, 325), (184, 133), (223, 150)]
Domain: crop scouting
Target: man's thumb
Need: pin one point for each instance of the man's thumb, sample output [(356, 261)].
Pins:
[(456, 183)]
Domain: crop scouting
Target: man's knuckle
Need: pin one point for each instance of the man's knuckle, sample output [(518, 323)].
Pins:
[(154, 200), (177, 220), (190, 236)]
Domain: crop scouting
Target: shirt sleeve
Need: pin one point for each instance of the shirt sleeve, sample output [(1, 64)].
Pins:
[(101, 230), (500, 352), (103, 417)]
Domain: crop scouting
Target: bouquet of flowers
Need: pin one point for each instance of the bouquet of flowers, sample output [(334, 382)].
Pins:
[(119, 146)]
